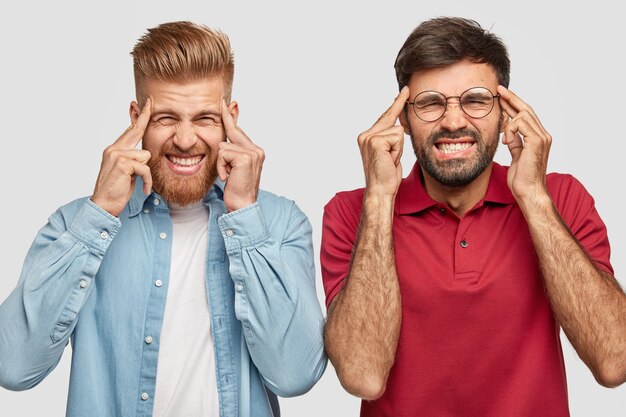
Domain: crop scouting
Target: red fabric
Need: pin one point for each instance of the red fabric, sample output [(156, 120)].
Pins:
[(478, 337)]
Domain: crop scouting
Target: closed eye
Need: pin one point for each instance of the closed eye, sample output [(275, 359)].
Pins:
[(208, 120), (165, 120), (429, 103)]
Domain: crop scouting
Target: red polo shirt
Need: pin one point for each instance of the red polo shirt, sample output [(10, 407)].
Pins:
[(478, 337)]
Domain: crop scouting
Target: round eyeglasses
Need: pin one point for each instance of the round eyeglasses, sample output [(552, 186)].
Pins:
[(476, 102)]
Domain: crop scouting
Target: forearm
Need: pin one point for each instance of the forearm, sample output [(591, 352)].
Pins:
[(588, 302), (364, 323), (276, 302)]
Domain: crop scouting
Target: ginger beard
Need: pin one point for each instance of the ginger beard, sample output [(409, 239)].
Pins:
[(456, 172), (183, 190)]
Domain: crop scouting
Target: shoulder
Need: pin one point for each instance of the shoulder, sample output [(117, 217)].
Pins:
[(346, 201), (274, 204), (67, 212), (565, 189), (343, 211), (281, 212), (571, 198), (557, 181)]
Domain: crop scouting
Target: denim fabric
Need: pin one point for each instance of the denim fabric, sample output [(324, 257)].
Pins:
[(101, 282)]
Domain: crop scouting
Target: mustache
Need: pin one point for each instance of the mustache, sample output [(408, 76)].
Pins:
[(171, 148), (445, 133)]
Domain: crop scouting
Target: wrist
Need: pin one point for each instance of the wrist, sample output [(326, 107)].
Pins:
[(102, 204), (535, 203), (378, 206), (238, 204)]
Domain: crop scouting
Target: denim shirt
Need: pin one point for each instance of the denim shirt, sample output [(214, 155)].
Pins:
[(102, 281)]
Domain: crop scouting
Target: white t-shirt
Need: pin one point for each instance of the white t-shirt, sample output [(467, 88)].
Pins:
[(186, 383)]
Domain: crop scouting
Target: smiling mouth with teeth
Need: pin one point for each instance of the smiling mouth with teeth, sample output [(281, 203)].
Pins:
[(450, 148), (186, 161)]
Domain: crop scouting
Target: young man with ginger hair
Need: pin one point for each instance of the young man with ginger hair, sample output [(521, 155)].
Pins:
[(181, 285)]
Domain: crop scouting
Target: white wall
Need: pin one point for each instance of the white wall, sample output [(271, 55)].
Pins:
[(308, 79)]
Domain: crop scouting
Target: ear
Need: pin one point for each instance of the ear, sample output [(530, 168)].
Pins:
[(404, 120), (504, 121), (134, 111), (233, 108)]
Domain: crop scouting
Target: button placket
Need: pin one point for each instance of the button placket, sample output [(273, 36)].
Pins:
[(464, 259)]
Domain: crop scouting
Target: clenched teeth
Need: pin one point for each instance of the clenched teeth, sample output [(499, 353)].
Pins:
[(187, 162), (448, 148)]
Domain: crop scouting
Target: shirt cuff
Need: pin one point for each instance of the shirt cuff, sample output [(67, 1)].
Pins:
[(243, 228), (94, 227)]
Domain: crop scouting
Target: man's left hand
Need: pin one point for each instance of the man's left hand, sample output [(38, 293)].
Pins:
[(239, 164), (529, 144)]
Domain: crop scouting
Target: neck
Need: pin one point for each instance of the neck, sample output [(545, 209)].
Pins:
[(459, 199)]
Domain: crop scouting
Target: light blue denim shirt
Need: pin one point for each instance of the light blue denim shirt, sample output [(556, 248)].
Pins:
[(102, 281)]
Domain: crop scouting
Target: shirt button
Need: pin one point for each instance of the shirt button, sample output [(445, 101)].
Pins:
[(229, 232), (442, 210), (156, 201), (162, 235), (104, 235), (146, 211), (83, 283), (148, 339), (144, 396), (463, 243), (239, 287), (158, 282)]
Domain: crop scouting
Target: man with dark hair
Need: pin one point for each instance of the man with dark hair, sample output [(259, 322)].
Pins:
[(177, 259), (446, 290)]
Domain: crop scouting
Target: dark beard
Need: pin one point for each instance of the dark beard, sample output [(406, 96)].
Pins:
[(455, 173), (182, 190)]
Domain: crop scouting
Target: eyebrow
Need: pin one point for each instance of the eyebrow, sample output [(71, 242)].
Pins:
[(202, 113), (209, 113)]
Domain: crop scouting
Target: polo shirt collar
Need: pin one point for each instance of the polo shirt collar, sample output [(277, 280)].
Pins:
[(138, 199), (498, 190), (412, 197)]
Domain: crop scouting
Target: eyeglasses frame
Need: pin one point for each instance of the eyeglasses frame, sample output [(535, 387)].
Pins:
[(412, 103)]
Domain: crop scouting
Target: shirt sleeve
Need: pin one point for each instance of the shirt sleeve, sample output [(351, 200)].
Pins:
[(577, 209), (38, 317), (275, 299), (339, 231)]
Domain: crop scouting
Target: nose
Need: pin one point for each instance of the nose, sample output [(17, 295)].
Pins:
[(185, 136), (454, 118)]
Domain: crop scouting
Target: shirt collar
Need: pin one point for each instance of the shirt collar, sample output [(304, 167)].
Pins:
[(498, 190), (138, 199), (412, 197)]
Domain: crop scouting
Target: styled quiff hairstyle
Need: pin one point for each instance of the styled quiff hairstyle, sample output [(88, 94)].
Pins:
[(444, 41), (181, 52)]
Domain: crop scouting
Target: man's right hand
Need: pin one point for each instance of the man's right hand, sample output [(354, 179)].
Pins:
[(121, 164), (381, 149)]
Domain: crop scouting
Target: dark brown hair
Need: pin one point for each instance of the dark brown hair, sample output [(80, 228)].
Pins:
[(444, 41)]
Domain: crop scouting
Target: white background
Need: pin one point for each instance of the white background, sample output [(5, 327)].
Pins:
[(308, 79)]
